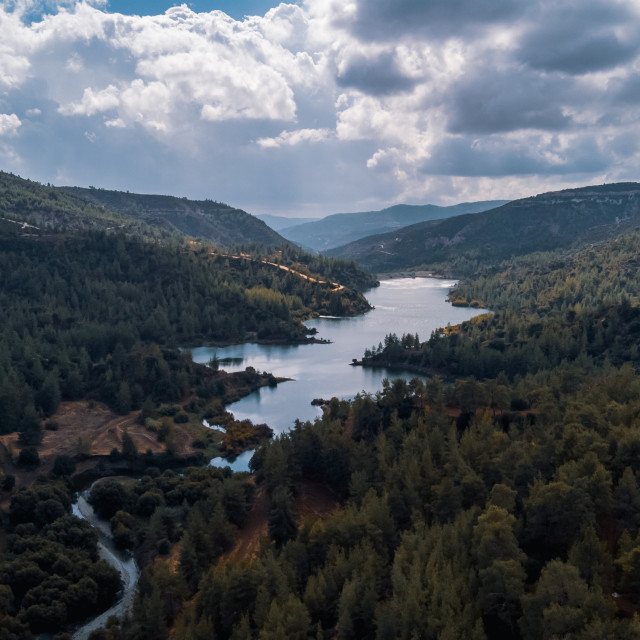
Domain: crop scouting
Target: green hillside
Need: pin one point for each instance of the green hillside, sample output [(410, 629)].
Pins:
[(49, 207), (549, 221), (340, 228), (205, 219)]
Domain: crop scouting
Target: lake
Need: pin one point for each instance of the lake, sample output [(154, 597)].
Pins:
[(403, 305)]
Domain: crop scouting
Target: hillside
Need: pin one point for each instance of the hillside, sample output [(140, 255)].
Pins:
[(213, 221), (47, 206), (554, 220), (340, 228)]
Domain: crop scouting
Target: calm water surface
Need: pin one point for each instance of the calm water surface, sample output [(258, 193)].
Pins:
[(408, 305)]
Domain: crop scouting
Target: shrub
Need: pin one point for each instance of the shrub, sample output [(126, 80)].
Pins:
[(64, 466), (29, 457)]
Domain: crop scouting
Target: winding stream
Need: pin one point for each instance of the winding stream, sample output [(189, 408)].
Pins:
[(123, 562)]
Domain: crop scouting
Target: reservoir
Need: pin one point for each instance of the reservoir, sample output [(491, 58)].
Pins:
[(404, 305)]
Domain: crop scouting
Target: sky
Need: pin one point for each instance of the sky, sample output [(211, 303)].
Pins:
[(321, 106)]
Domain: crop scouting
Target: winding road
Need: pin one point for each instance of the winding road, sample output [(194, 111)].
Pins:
[(123, 562)]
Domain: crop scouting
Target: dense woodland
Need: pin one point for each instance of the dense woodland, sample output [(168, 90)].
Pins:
[(84, 316), (94, 310), (500, 499)]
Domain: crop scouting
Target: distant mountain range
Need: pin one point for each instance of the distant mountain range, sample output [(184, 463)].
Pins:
[(277, 223), (340, 228), (549, 221)]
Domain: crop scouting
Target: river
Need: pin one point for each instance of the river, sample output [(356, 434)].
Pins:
[(404, 305), (407, 305)]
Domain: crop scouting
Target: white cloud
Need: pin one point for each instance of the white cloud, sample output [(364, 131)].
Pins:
[(408, 99), (92, 102), (74, 63), (9, 124), (13, 68), (293, 138)]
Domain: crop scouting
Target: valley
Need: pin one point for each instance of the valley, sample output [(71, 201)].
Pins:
[(436, 427)]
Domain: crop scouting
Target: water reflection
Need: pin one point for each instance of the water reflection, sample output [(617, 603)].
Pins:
[(404, 305)]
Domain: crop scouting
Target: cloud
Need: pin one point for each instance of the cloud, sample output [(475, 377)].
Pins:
[(293, 138), (390, 19), (516, 155), (383, 100), (92, 102), (376, 75), (626, 90), (580, 37), (74, 63), (184, 63), (489, 102), (9, 124)]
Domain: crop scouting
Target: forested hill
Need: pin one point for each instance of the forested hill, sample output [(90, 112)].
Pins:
[(47, 206), (545, 222), (340, 228), (213, 221)]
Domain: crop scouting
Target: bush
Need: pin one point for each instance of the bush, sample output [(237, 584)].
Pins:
[(64, 466), (181, 418), (168, 409), (152, 425), (29, 457)]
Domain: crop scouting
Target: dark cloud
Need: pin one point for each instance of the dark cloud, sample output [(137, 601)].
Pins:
[(389, 19), (576, 55), (627, 90), (498, 157), (499, 101), (376, 76), (578, 38)]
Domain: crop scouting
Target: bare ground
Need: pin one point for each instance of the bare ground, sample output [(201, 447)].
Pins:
[(85, 429), (313, 502)]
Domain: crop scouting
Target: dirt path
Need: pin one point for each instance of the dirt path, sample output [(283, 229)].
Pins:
[(313, 502), (255, 529), (336, 285)]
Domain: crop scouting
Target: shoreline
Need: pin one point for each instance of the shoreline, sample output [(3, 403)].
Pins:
[(396, 275)]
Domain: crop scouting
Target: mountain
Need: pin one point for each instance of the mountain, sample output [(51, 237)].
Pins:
[(340, 228), (205, 219), (281, 222), (554, 220)]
